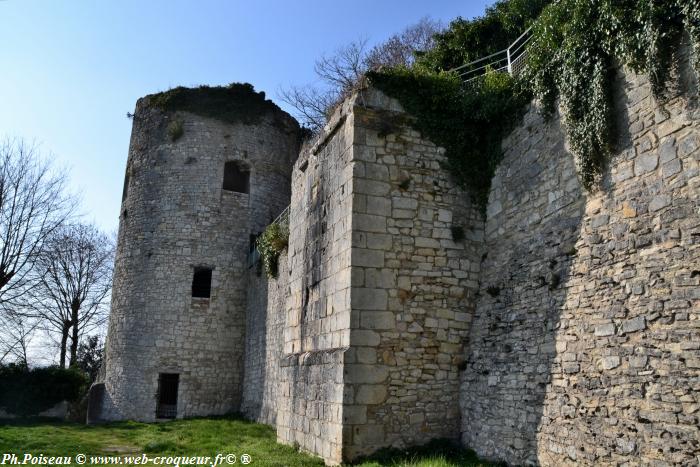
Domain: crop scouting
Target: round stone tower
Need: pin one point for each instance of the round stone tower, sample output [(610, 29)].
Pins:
[(208, 169)]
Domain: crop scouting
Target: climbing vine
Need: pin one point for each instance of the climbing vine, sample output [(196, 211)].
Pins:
[(576, 45), (270, 244), (575, 48), (469, 122)]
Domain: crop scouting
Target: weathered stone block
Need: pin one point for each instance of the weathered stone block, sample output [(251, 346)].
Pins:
[(378, 320), (371, 394), (603, 330), (368, 258), (365, 374), (659, 202), (369, 299), (369, 223), (362, 337), (608, 363), (645, 163), (635, 324)]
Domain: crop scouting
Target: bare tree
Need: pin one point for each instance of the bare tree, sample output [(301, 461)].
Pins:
[(33, 204), (17, 332), (340, 72), (400, 49), (311, 104), (76, 277)]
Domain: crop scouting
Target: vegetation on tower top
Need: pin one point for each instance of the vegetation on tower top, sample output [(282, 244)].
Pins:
[(235, 103)]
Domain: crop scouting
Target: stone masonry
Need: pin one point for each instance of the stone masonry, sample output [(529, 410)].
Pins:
[(176, 217), (560, 329), (379, 294), (585, 344)]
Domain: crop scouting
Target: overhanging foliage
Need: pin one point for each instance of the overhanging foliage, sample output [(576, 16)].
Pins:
[(270, 244), (572, 56)]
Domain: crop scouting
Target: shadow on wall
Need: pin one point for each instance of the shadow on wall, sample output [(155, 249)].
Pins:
[(582, 348), (255, 373), (535, 210)]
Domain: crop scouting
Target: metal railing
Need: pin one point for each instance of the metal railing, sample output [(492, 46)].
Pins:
[(510, 60), (283, 218)]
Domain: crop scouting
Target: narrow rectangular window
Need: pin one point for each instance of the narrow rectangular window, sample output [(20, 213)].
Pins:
[(125, 191), (167, 395), (201, 283)]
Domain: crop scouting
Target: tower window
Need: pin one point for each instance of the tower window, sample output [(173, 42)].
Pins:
[(236, 177), (201, 283), (125, 191)]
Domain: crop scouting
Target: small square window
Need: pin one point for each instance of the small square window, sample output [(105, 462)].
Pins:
[(201, 283), (236, 177)]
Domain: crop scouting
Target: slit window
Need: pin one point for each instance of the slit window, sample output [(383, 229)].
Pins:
[(167, 395), (236, 177), (253, 240), (125, 191), (201, 283)]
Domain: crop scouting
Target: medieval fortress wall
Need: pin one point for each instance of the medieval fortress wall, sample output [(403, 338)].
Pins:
[(561, 329), (587, 349)]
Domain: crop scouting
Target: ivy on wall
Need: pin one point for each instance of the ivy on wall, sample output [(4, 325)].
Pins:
[(469, 122), (270, 245), (575, 46), (572, 56)]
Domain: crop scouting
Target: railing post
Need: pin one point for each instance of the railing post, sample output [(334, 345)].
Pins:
[(510, 65)]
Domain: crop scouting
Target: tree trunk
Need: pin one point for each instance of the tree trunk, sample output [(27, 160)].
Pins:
[(64, 341), (75, 308)]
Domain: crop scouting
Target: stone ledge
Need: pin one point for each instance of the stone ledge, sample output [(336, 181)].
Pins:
[(314, 357)]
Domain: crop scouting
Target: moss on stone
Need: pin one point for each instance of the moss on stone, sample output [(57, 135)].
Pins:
[(235, 103)]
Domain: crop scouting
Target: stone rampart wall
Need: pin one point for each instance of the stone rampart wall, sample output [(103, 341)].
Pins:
[(265, 317), (415, 261), (585, 344)]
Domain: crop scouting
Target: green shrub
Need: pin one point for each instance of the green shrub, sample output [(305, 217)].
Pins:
[(175, 129), (467, 40), (270, 244), (25, 391), (575, 47)]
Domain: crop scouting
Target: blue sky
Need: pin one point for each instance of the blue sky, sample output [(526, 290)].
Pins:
[(72, 69)]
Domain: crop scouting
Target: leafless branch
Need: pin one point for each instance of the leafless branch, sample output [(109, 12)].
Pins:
[(16, 334), (341, 71), (76, 277), (33, 204)]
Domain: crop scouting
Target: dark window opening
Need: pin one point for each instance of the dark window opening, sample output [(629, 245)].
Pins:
[(167, 395), (125, 191), (236, 178), (201, 283)]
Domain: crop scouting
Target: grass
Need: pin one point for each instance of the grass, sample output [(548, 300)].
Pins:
[(199, 436)]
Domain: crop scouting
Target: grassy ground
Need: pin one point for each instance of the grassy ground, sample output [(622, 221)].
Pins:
[(204, 437)]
